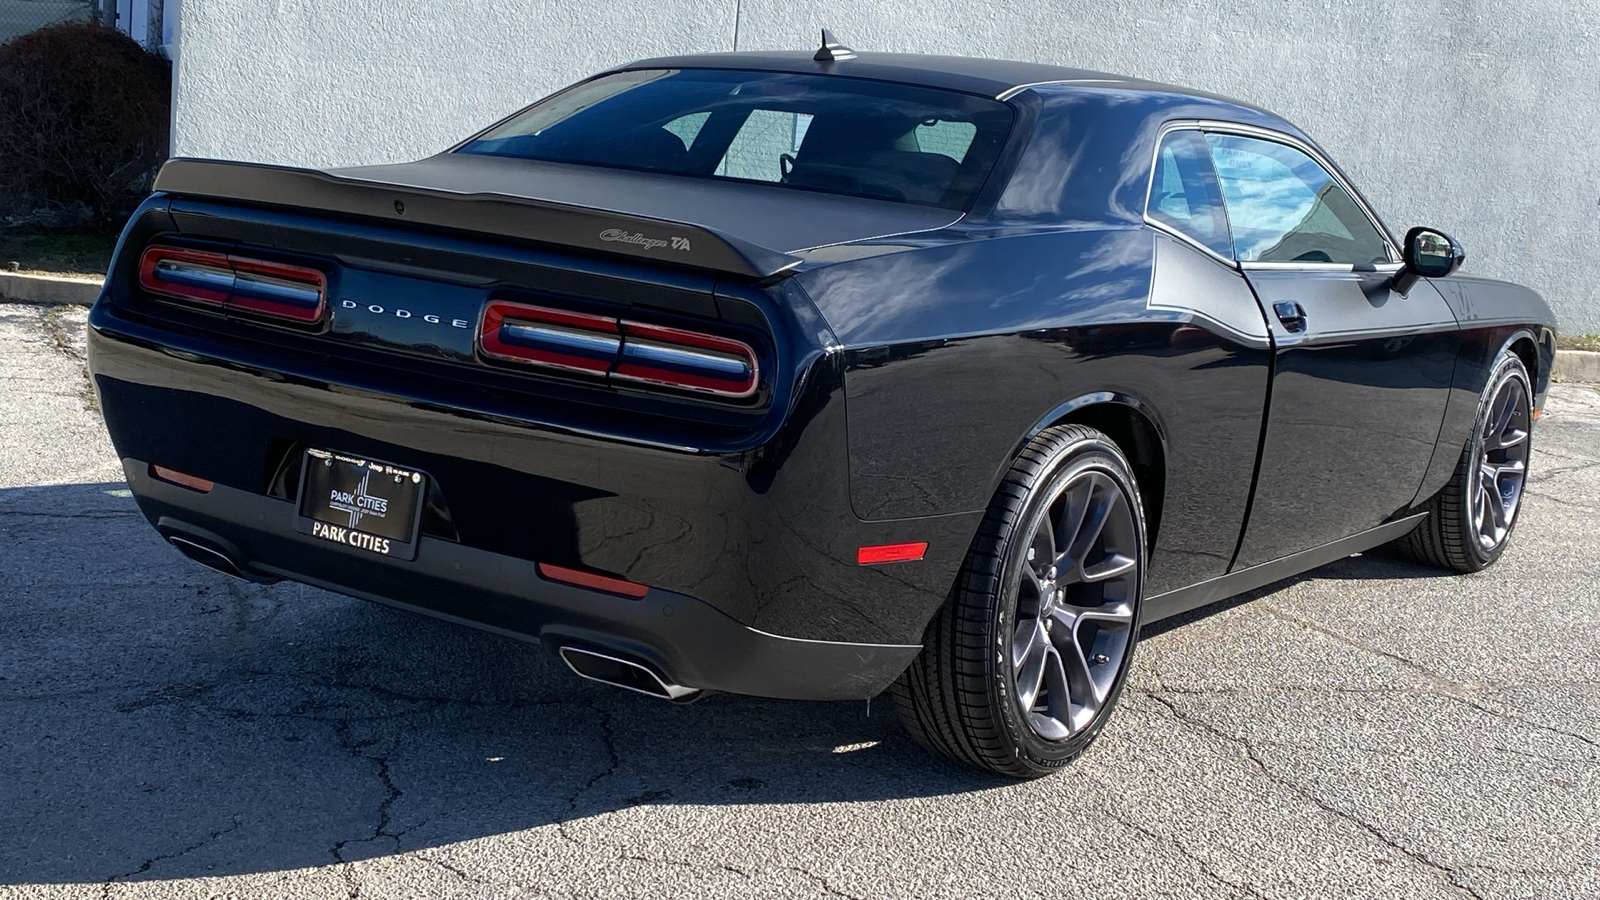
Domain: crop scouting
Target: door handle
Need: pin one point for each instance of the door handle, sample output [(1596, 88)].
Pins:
[(1292, 315)]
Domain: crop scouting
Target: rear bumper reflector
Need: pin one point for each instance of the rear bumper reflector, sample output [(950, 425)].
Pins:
[(181, 479), (594, 582), (888, 553)]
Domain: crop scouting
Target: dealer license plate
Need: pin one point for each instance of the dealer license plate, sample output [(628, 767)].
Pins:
[(363, 504)]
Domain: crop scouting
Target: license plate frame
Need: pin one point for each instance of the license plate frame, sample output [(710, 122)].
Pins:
[(367, 506)]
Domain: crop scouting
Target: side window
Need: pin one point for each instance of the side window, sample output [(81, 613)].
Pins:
[(1284, 207), (1184, 194), (766, 136)]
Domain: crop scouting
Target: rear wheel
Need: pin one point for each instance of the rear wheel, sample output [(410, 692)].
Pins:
[(1470, 520), (1022, 667)]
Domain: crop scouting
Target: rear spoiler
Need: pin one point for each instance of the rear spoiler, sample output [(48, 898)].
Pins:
[(502, 215)]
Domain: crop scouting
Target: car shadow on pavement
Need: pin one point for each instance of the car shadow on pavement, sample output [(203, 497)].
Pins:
[(163, 721), (1381, 564)]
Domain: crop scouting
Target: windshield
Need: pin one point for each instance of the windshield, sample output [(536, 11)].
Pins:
[(819, 133)]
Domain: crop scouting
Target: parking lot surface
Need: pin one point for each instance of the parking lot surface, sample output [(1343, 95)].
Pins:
[(1374, 729)]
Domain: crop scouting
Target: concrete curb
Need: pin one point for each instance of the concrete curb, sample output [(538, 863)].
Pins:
[(51, 289), (1577, 365)]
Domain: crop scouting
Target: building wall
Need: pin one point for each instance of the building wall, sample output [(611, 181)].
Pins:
[(1478, 118)]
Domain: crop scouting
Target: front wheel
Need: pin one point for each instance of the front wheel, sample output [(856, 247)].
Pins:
[(1470, 519), (1022, 667)]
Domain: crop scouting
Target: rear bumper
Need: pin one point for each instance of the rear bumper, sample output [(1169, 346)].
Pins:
[(687, 640), (749, 549)]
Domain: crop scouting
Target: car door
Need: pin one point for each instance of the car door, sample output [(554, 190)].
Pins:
[(1361, 373)]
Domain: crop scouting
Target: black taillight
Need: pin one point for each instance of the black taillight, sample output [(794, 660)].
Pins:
[(674, 358), (272, 289)]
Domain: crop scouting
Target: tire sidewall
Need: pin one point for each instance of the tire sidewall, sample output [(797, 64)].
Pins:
[(1069, 461)]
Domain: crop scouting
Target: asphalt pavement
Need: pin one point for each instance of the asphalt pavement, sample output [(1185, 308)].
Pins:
[(1374, 729)]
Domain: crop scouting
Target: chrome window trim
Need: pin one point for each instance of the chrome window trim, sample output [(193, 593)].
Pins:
[(1014, 90), (1385, 268), (1219, 126), (1150, 186)]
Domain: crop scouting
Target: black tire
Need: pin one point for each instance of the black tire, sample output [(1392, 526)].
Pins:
[(1453, 536), (962, 696)]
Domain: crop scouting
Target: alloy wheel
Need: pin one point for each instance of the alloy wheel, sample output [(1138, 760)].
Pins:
[(1502, 464), (1076, 604)]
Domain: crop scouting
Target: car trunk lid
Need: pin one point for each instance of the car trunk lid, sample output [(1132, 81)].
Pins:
[(740, 229)]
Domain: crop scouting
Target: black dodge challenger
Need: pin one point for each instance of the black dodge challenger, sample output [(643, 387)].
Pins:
[(818, 375)]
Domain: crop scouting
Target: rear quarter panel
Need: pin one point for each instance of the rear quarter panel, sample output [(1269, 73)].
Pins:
[(957, 353)]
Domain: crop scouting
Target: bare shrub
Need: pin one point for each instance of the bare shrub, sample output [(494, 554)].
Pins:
[(83, 123)]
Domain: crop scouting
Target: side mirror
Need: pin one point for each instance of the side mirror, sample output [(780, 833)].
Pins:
[(1429, 254)]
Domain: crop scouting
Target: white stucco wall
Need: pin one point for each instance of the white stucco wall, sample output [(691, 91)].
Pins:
[(1475, 117)]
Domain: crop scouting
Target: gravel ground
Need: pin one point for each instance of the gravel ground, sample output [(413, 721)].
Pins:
[(1374, 729)]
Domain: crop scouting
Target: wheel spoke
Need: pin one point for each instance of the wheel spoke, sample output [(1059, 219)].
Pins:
[(1032, 580), (1055, 723), (1509, 438), (1044, 544), (1496, 507), (1112, 566), (1501, 470), (1103, 502), (1505, 406), (1085, 692), (1120, 613), (1075, 506), (1031, 670)]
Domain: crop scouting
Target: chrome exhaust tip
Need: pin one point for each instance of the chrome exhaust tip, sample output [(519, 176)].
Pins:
[(623, 673)]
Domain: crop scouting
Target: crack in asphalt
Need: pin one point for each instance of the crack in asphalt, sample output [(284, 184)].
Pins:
[(1446, 686), (821, 882), (105, 889), (391, 791), (479, 880), (613, 763), (1449, 874), (1461, 692), (608, 743), (1201, 863)]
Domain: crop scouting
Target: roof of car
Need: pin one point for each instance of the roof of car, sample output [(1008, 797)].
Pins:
[(988, 77)]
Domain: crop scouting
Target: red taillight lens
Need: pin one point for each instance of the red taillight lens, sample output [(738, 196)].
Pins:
[(554, 338), (271, 289), (186, 274), (621, 349), (673, 357)]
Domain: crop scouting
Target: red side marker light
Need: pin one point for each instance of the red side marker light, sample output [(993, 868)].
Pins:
[(173, 476), (888, 553), (592, 581)]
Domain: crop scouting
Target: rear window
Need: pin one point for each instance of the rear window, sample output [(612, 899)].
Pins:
[(809, 132)]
